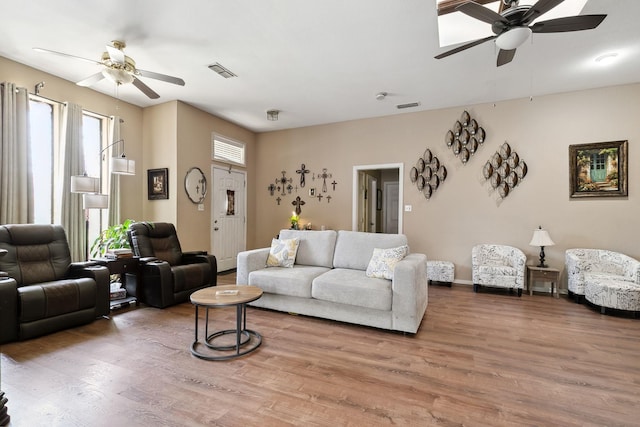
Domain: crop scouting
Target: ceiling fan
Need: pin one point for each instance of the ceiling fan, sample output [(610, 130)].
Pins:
[(511, 27), (120, 69)]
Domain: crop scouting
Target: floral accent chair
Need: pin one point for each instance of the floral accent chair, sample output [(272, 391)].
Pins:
[(498, 266), (599, 266)]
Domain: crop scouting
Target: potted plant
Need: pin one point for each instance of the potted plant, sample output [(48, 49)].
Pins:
[(113, 237)]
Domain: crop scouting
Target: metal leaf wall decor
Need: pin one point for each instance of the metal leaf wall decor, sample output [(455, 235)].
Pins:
[(505, 170), (428, 174), (465, 137)]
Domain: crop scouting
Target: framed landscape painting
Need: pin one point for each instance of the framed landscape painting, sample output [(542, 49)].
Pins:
[(598, 169)]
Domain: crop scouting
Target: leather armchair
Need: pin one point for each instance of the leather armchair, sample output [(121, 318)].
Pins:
[(41, 290), (169, 276), (498, 266)]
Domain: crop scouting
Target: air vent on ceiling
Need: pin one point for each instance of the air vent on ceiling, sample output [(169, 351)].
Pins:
[(409, 105), (224, 72)]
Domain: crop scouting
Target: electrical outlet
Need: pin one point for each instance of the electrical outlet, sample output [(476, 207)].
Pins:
[(407, 208)]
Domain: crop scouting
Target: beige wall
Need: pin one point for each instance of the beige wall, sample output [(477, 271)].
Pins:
[(194, 150), (464, 211)]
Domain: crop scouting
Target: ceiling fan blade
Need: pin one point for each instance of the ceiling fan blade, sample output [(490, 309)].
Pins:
[(40, 49), (505, 56), (482, 13), (542, 6), (91, 80), (145, 89), (569, 23), (116, 55), (163, 77), (464, 47)]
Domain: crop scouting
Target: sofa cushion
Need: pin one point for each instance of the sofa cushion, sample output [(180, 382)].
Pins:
[(316, 247), (355, 248), (353, 287), (294, 281), (282, 253), (383, 261), (50, 299), (497, 270)]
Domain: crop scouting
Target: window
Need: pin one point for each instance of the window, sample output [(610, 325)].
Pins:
[(45, 148), (227, 150)]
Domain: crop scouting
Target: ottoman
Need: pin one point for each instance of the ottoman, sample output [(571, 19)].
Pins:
[(440, 272), (616, 294)]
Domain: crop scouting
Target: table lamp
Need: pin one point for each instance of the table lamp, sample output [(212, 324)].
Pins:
[(541, 238)]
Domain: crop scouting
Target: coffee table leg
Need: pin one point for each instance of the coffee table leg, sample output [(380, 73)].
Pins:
[(196, 326)]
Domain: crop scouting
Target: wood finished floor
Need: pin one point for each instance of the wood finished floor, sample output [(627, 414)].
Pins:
[(486, 359)]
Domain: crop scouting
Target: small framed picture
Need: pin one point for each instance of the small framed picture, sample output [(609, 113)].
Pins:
[(312, 192), (158, 183)]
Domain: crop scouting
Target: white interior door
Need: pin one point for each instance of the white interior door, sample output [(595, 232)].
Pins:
[(228, 216)]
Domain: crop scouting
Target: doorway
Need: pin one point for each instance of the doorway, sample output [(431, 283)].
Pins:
[(377, 198), (228, 216)]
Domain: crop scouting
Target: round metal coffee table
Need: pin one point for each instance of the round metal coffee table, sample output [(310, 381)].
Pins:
[(246, 340)]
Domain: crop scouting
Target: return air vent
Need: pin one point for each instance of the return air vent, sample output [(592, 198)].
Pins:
[(409, 105), (224, 72)]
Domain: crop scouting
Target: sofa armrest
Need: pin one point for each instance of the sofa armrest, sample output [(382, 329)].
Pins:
[(249, 261), (157, 283), (200, 257), (631, 268), (410, 292), (8, 310), (100, 274)]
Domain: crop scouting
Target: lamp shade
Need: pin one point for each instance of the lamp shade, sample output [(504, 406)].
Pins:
[(95, 201), (85, 184), (513, 38), (123, 166), (541, 238)]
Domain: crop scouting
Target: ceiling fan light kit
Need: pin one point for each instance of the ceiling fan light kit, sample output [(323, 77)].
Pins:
[(513, 38)]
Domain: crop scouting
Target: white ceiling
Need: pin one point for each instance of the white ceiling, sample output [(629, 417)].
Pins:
[(318, 62)]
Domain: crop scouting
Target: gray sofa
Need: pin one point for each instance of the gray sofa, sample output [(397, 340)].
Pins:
[(328, 280)]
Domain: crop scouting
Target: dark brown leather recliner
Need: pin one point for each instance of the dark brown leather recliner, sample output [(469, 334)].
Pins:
[(41, 290), (168, 275)]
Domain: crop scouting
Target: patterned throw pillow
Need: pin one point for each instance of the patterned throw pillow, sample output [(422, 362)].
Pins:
[(383, 261), (283, 253)]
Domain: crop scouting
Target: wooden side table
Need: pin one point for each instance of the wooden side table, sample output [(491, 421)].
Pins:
[(122, 266), (543, 274)]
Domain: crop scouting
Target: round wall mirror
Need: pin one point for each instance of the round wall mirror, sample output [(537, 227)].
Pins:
[(195, 184)]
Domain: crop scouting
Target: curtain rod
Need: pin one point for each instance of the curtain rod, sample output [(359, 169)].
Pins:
[(62, 103)]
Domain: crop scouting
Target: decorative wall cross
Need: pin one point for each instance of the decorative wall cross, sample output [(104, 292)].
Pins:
[(278, 199), (334, 183), (272, 189), (283, 181), (319, 196), (324, 175), (302, 171), (298, 202)]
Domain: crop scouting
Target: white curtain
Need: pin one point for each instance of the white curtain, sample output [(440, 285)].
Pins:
[(72, 160), (16, 182), (114, 179)]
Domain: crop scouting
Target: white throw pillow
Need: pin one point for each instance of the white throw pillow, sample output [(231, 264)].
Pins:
[(283, 253), (383, 261)]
